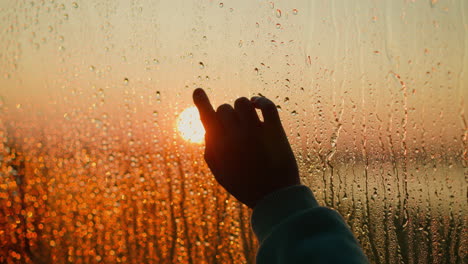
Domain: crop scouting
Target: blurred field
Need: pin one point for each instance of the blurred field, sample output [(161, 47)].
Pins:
[(140, 198)]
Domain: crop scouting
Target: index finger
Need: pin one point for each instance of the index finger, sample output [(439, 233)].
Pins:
[(207, 113)]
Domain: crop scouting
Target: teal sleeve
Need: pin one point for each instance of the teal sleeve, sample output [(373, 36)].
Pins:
[(292, 228)]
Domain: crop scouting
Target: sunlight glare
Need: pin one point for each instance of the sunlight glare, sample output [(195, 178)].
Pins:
[(190, 126)]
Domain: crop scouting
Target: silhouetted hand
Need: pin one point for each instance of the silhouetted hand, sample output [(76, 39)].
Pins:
[(249, 158)]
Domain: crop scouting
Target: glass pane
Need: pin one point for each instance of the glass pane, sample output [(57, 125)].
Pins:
[(93, 167)]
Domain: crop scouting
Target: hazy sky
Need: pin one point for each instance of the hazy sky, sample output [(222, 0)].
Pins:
[(329, 64)]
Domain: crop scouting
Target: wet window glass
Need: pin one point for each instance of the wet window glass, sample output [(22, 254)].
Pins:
[(101, 153)]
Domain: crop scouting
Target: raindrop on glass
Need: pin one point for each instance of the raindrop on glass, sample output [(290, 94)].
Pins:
[(278, 13), (97, 122)]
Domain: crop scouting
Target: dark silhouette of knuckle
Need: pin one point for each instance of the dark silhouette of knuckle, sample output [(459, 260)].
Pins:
[(241, 103), (270, 106), (224, 108)]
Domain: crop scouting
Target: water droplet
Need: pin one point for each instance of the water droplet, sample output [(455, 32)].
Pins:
[(126, 81), (221, 5), (257, 25), (278, 25), (75, 5), (231, 9), (97, 122), (286, 99), (202, 66), (295, 11), (272, 5), (155, 113), (256, 70), (92, 68), (294, 113), (241, 43), (155, 61), (278, 13)]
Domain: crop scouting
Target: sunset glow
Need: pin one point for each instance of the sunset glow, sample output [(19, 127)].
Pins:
[(189, 125), (102, 151)]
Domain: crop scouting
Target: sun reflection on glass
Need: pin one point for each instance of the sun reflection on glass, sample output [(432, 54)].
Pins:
[(189, 125)]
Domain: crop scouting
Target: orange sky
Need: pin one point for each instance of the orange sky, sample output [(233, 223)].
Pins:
[(337, 70)]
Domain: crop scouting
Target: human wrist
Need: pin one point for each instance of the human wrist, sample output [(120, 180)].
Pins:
[(277, 206)]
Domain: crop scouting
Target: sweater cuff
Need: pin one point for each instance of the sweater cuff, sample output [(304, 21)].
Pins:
[(276, 207)]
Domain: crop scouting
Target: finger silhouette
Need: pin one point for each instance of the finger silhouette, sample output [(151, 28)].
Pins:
[(268, 108), (228, 118), (246, 113), (207, 113)]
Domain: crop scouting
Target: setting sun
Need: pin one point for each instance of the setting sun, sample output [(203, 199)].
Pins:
[(189, 125)]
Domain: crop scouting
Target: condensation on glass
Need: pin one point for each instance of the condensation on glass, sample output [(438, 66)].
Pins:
[(93, 169)]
